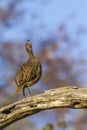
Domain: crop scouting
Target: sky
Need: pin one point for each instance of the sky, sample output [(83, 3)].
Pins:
[(47, 17), (41, 19)]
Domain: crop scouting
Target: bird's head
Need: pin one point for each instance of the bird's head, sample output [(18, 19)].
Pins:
[(28, 46)]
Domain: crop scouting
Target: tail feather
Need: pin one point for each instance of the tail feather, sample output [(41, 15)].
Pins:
[(19, 89)]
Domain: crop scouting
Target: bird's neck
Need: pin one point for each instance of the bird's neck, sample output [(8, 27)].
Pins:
[(30, 55)]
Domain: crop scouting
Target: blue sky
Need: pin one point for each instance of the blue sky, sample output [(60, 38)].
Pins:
[(48, 16), (41, 19)]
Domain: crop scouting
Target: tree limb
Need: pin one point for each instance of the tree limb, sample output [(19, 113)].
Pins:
[(64, 97)]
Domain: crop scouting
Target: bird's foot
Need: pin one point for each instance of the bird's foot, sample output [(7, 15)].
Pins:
[(29, 94)]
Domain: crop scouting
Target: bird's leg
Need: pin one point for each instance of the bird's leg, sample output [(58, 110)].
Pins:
[(29, 94), (24, 92)]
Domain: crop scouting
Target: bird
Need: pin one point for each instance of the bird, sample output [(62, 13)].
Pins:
[(29, 72)]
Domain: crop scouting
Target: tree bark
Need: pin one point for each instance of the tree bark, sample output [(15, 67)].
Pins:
[(64, 97)]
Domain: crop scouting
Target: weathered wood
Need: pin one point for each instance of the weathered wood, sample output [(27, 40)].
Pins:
[(64, 97)]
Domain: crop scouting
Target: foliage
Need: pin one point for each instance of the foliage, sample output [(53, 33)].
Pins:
[(60, 67)]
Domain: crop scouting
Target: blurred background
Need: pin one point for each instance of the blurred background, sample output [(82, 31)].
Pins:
[(58, 32)]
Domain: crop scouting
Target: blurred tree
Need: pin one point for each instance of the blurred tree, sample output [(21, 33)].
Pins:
[(61, 123), (61, 67), (48, 127)]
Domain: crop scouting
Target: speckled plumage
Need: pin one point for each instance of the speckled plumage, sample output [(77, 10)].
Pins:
[(30, 72)]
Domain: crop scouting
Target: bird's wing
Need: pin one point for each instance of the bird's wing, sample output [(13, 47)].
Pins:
[(26, 73)]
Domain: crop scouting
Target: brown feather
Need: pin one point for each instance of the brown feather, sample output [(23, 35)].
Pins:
[(29, 72)]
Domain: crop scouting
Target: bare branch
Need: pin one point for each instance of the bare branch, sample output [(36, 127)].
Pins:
[(65, 97)]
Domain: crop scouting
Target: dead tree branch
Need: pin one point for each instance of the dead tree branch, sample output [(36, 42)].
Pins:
[(65, 97)]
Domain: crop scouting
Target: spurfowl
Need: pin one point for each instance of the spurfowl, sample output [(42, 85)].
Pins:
[(30, 72)]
